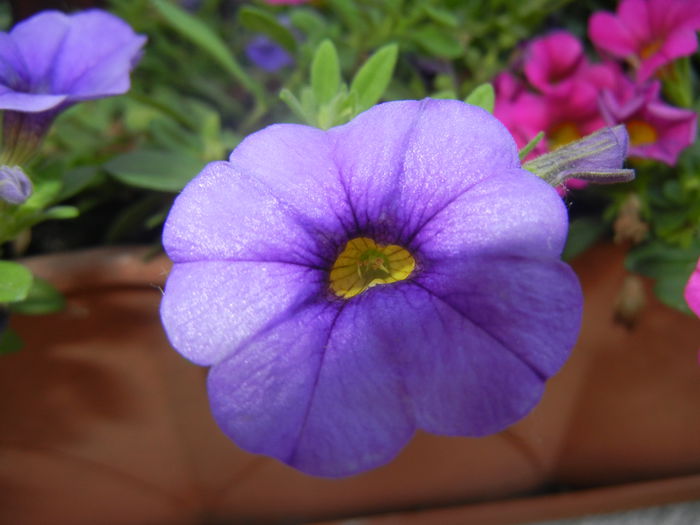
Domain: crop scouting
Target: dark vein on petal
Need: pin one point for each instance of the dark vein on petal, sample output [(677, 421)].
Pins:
[(535, 370), (255, 261), (307, 412), (442, 208)]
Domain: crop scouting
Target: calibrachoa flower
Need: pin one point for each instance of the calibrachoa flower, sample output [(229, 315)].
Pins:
[(15, 186), (53, 60), (648, 33), (353, 285), (555, 65), (692, 291), (267, 54), (522, 112), (657, 130)]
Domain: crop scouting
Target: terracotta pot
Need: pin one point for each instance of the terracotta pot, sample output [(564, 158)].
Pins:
[(104, 423)]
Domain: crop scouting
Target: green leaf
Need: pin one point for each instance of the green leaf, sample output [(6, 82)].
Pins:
[(201, 35), (261, 21), (309, 22), (669, 265), (155, 169), (42, 299), (10, 342), (441, 16), (325, 73), (438, 42), (372, 79), (348, 11), (296, 107), (60, 213), (482, 96), (530, 145), (77, 179), (15, 281), (583, 233)]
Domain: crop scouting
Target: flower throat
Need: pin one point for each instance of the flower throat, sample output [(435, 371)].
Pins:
[(363, 263)]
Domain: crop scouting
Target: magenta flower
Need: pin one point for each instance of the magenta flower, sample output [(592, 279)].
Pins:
[(657, 131), (522, 112), (350, 286), (553, 62), (648, 33), (53, 60), (692, 291)]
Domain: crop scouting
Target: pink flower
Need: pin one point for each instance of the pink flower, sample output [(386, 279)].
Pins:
[(657, 131), (692, 291), (648, 33), (556, 66), (522, 112), (553, 62)]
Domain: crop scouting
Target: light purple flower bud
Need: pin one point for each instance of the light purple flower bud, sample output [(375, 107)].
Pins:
[(15, 186), (597, 157)]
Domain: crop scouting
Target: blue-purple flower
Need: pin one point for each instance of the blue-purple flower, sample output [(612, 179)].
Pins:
[(53, 60), (267, 54), (350, 286)]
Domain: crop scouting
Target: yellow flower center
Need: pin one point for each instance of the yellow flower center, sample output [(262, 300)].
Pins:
[(363, 263), (650, 48), (641, 132), (563, 134)]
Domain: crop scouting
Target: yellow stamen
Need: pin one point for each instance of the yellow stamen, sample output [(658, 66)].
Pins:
[(563, 134), (650, 49), (363, 263), (641, 132)]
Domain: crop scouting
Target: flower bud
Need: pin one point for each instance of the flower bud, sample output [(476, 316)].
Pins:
[(15, 186)]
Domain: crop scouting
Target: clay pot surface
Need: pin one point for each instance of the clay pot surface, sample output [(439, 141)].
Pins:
[(104, 423)]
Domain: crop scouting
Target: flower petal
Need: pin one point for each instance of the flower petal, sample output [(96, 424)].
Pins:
[(295, 165), (28, 103), (96, 56), (692, 290), (610, 34), (634, 14), (226, 214), (315, 392), (552, 62), (680, 43), (401, 162), (13, 70), (514, 212), (499, 327), (210, 308), (38, 41)]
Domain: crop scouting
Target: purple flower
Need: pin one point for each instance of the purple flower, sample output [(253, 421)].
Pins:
[(648, 33), (267, 54), (15, 186), (350, 286), (657, 131), (53, 60)]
